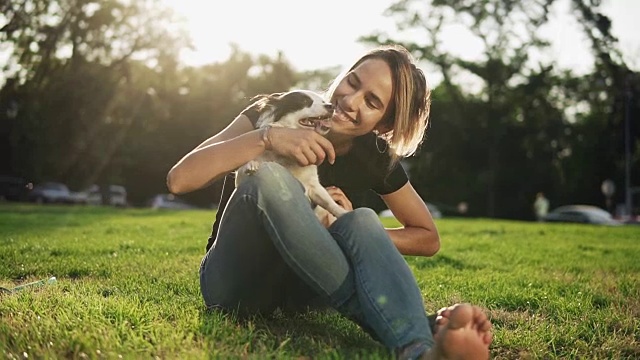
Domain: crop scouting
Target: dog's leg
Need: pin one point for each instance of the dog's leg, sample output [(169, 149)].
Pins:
[(320, 196), (325, 217)]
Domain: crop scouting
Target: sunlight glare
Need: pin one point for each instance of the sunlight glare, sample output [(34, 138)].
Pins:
[(316, 35)]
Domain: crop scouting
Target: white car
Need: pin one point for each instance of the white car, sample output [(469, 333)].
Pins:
[(585, 214), (78, 197), (169, 201), (117, 195), (50, 192)]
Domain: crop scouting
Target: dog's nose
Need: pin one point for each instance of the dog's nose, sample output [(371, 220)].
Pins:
[(329, 107)]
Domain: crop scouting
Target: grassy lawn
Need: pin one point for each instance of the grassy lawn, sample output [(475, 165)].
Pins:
[(127, 286)]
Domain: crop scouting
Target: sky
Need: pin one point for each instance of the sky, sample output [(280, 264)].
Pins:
[(321, 34)]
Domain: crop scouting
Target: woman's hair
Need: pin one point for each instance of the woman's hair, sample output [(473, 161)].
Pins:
[(408, 112)]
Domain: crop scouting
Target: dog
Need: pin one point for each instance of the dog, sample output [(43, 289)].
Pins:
[(297, 109)]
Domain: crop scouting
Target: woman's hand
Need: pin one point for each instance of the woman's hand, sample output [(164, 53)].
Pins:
[(306, 147), (325, 217), (338, 196)]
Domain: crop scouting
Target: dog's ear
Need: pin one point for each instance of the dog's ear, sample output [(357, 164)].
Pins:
[(262, 101), (266, 96), (267, 100), (257, 98)]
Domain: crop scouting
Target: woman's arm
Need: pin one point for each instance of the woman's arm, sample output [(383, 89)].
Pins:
[(239, 143), (419, 235), (224, 152)]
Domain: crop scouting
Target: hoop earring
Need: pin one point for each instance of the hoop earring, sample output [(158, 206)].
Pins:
[(386, 145)]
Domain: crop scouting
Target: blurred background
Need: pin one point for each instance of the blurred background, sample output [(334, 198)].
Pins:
[(98, 99)]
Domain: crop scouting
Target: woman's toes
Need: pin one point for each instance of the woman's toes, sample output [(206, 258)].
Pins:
[(460, 316), (443, 311), (443, 315), (487, 337)]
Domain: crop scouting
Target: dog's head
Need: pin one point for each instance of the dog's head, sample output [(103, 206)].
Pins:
[(294, 109)]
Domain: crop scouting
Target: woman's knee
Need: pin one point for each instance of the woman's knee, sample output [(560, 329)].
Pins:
[(361, 232), (364, 219), (361, 224)]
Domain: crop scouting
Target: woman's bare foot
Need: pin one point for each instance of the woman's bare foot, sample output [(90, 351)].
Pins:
[(462, 331)]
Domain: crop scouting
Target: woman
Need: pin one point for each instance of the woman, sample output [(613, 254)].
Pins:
[(267, 249)]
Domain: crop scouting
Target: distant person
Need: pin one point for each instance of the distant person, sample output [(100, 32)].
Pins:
[(540, 206), (267, 249)]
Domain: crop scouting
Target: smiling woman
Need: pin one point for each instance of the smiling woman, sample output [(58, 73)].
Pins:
[(266, 27), (267, 249)]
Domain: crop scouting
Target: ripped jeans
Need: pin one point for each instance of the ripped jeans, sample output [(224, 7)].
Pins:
[(271, 252)]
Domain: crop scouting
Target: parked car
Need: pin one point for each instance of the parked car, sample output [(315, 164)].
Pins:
[(169, 201), (50, 192), (117, 195), (434, 210), (78, 197), (584, 214)]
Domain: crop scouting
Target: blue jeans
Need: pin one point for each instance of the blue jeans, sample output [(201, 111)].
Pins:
[(271, 251)]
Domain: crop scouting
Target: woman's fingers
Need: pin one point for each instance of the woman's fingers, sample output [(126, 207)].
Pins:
[(327, 146), (305, 146), (309, 156), (339, 196), (322, 148), (319, 152)]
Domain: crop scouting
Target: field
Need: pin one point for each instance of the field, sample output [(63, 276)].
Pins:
[(127, 287)]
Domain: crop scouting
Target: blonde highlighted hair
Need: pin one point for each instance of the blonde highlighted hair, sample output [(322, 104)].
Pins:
[(408, 113)]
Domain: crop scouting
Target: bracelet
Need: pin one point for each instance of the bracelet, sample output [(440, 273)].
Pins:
[(266, 137)]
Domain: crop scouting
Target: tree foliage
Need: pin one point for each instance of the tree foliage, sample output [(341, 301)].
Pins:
[(530, 126), (94, 92)]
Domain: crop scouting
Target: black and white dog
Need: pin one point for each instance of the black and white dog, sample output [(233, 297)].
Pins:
[(295, 109)]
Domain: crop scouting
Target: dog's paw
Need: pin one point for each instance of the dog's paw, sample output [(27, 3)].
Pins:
[(325, 217), (339, 211), (251, 167)]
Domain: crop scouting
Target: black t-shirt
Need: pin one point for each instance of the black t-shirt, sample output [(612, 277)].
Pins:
[(363, 169)]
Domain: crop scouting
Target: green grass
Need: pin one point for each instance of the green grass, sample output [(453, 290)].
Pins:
[(128, 286)]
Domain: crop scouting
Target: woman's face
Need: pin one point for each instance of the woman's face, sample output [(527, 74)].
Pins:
[(361, 98)]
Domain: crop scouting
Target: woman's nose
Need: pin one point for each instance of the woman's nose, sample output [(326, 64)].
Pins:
[(350, 101)]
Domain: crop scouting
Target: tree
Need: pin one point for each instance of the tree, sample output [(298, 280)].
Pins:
[(610, 99), (490, 125), (523, 126), (70, 60)]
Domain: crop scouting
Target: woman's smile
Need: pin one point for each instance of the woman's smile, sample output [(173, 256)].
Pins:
[(340, 115)]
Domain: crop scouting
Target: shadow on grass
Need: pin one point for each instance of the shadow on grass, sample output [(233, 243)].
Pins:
[(439, 262), (314, 334)]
